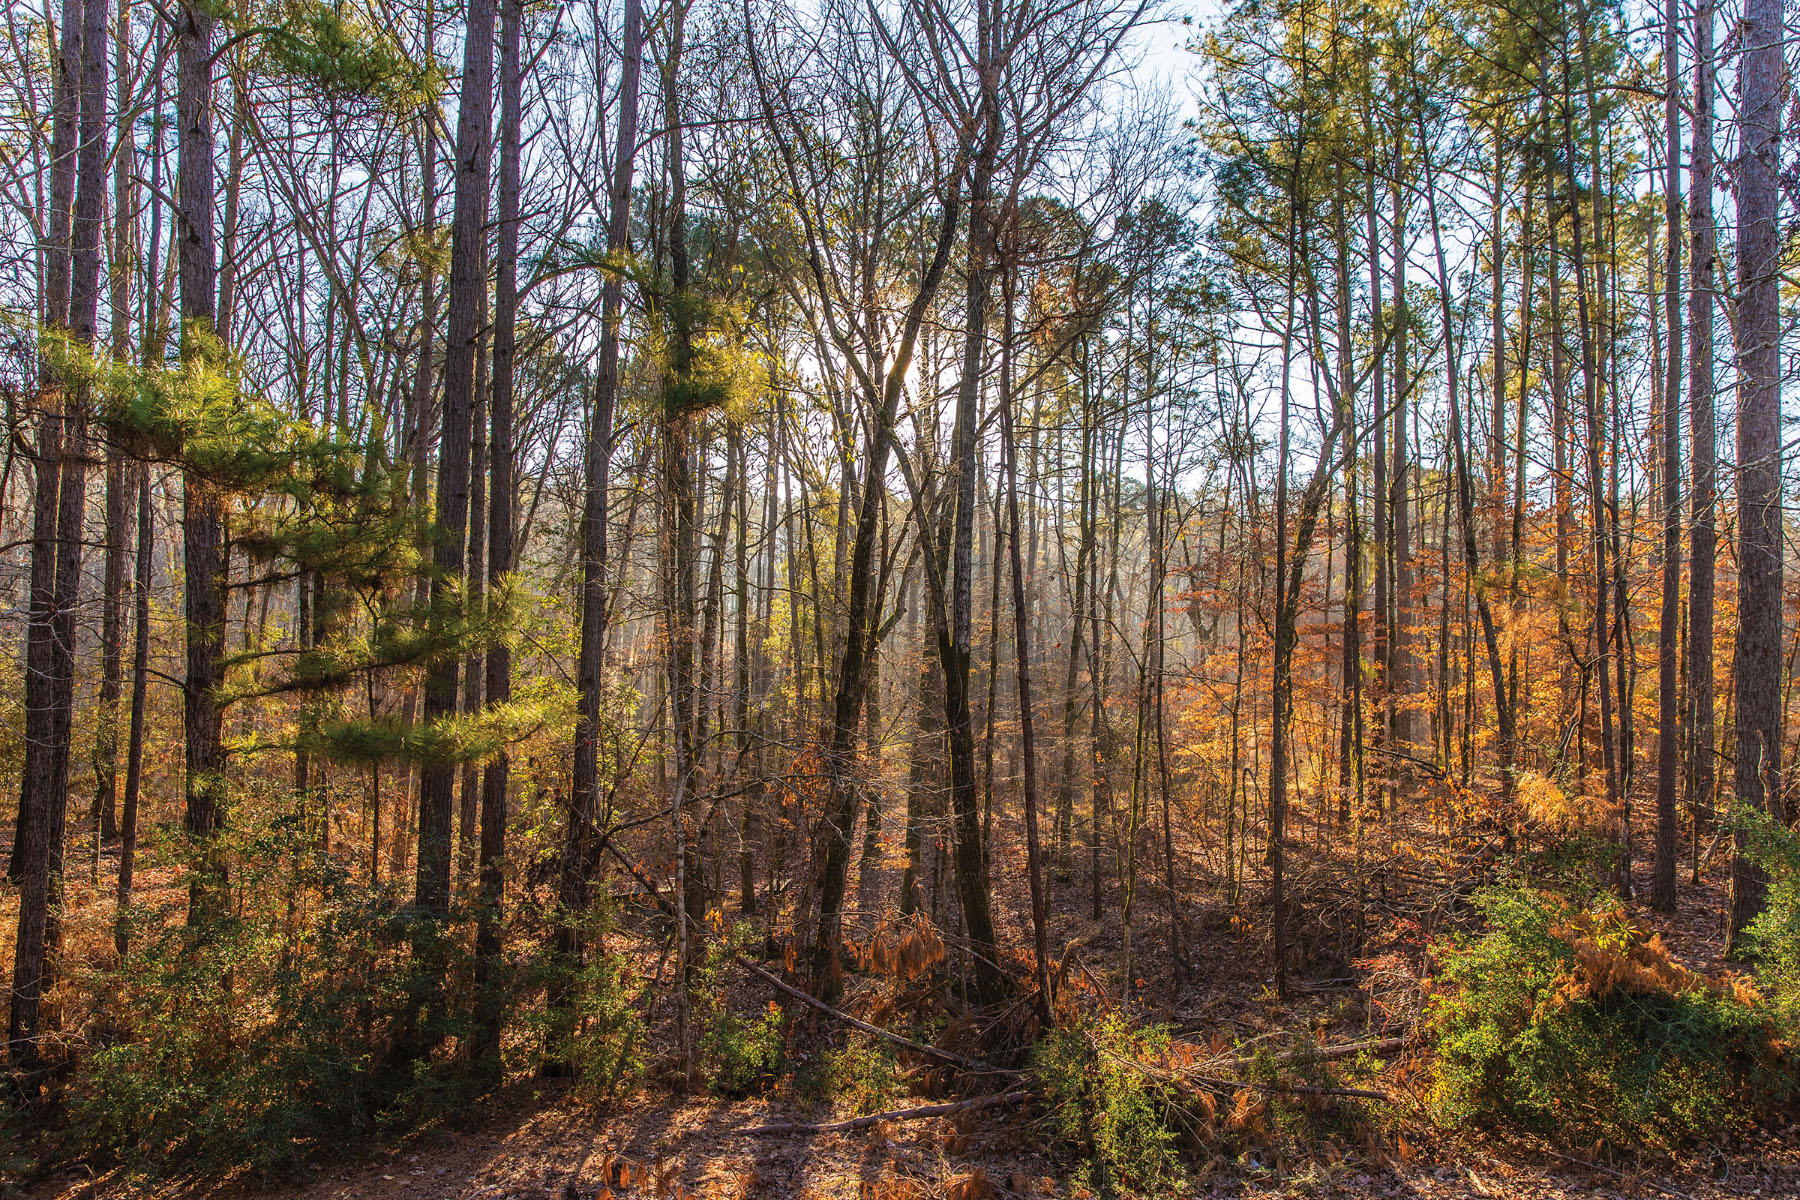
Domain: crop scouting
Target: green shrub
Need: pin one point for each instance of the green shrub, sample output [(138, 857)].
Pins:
[(591, 1027), (254, 1039), (738, 1053), (1565, 1022), (863, 1074), (1774, 937), (1103, 1104)]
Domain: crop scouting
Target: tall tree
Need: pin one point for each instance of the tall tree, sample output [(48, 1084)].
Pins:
[(1756, 673), (495, 777), (203, 503), (1702, 449), (1668, 743), (465, 302), (580, 852), (60, 498)]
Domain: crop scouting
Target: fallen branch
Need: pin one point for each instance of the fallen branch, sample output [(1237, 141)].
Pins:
[(949, 1056), (1321, 1054), (1616, 1174), (768, 977), (1288, 1088), (1182, 1078), (896, 1114)]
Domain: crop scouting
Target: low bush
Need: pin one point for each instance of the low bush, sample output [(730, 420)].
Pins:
[(738, 1052), (1566, 1022), (1106, 1106), (251, 1040), (863, 1074), (1774, 937)]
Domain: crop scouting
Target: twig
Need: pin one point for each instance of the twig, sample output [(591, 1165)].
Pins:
[(896, 1114), (1288, 1088), (1605, 1170), (755, 968), (1322, 1054)]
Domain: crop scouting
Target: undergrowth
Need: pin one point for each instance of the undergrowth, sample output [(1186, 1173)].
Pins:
[(317, 1010), (1564, 1021)]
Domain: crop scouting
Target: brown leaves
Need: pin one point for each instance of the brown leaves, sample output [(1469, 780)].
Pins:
[(1612, 956), (900, 950), (623, 1178), (893, 1187), (973, 1186)]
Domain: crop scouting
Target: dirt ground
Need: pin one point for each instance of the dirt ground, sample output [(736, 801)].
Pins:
[(534, 1144), (533, 1141)]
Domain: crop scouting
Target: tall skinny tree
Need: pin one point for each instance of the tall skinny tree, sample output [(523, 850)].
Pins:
[(465, 301), (1756, 676)]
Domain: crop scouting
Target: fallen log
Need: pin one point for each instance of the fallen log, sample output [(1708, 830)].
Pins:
[(1321, 1054), (896, 1114)]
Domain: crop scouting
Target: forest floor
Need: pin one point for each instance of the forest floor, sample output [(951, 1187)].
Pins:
[(534, 1144), (535, 1141)]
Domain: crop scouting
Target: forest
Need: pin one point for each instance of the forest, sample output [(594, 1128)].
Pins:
[(896, 599)]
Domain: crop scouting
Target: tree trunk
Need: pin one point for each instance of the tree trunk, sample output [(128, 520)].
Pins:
[(140, 679), (468, 287), (1022, 646), (956, 640), (496, 776), (1668, 741), (1702, 535), (56, 560), (1756, 675), (581, 850)]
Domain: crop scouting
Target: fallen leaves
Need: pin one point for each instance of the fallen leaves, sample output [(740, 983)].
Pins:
[(973, 1186)]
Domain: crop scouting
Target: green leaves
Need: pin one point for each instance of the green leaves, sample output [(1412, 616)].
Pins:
[(1566, 1021), (348, 55), (464, 738)]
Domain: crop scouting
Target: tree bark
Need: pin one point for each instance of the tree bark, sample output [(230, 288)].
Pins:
[(1668, 741), (1702, 532), (468, 287), (1756, 675), (581, 849), (496, 775)]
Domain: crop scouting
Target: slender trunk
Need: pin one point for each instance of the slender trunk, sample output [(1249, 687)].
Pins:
[(1756, 674), (118, 474), (467, 289), (1465, 495), (1702, 535), (1668, 742), (581, 848), (742, 674), (955, 641), (1065, 788), (140, 679), (30, 833), (39, 941), (1022, 646), (496, 776)]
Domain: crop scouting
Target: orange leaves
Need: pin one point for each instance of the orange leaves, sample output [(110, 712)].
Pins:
[(1611, 956), (900, 950), (623, 1178), (973, 1186), (1249, 1116)]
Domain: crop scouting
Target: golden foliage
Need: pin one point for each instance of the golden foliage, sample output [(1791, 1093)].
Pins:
[(1612, 956)]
